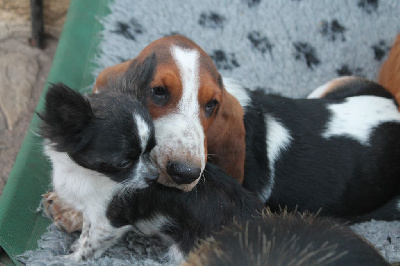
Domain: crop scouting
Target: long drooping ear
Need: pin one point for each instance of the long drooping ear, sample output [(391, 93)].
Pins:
[(226, 138), (139, 75), (131, 76), (67, 113), (110, 73)]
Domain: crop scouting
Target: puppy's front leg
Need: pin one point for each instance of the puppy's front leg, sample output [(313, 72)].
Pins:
[(95, 239)]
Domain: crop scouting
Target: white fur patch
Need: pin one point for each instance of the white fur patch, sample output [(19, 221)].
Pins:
[(180, 134), (358, 116), (278, 139), (175, 255), (188, 64), (143, 130), (237, 90), (79, 186), (153, 225), (318, 92)]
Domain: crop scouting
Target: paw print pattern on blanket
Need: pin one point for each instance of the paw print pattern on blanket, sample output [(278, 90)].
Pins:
[(292, 46)]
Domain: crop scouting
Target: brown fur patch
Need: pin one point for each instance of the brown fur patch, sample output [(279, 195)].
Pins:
[(62, 214), (226, 138), (389, 76)]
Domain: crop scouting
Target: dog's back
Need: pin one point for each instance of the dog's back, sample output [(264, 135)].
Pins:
[(338, 154), (286, 239)]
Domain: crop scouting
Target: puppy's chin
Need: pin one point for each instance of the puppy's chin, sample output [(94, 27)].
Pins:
[(166, 180)]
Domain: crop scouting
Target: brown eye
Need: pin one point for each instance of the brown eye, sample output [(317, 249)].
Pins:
[(210, 106), (160, 92)]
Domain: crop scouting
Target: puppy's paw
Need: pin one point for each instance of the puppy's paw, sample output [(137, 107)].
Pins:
[(75, 257), (62, 214), (74, 247)]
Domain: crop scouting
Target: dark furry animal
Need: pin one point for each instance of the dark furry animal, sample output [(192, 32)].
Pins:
[(285, 239), (338, 155), (183, 218)]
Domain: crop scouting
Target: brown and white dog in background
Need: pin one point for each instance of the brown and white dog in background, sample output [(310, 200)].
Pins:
[(389, 76), (190, 107)]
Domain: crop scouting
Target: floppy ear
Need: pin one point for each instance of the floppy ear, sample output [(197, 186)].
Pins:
[(132, 76), (226, 138), (67, 113), (110, 73), (139, 75)]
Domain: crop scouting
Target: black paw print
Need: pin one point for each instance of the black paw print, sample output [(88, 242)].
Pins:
[(223, 60), (332, 29), (304, 51), (260, 43), (345, 70), (129, 30), (211, 20), (380, 50)]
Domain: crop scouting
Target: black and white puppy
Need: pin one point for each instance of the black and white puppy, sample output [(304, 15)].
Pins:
[(98, 144), (183, 218), (285, 239), (339, 155)]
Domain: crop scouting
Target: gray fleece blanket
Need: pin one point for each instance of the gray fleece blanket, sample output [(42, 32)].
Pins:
[(287, 47)]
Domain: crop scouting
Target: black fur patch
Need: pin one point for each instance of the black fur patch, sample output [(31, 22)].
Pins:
[(211, 20), (332, 29), (223, 60), (313, 167), (129, 30), (307, 53), (281, 239), (260, 43), (214, 202)]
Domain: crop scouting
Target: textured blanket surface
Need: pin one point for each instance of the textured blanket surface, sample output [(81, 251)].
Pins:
[(286, 47)]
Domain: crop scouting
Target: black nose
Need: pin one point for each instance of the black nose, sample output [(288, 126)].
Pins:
[(182, 173)]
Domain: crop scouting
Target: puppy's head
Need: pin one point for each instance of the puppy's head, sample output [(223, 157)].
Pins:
[(182, 89), (109, 132)]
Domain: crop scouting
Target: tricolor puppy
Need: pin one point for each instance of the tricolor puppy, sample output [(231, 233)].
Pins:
[(389, 76), (285, 239), (339, 154), (98, 144), (183, 93)]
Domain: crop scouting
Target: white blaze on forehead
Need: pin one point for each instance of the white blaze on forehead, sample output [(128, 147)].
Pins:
[(188, 64), (143, 130), (180, 134), (358, 116)]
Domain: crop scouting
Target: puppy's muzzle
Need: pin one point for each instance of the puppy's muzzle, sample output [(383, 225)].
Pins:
[(182, 173)]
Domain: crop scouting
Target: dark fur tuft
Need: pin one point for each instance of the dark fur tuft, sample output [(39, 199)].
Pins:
[(286, 239), (65, 116)]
